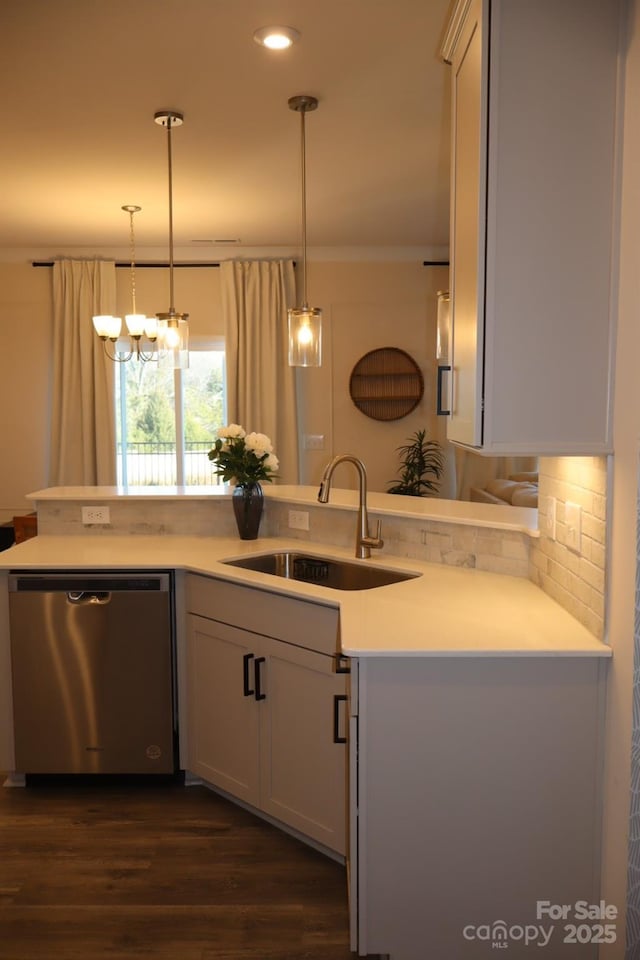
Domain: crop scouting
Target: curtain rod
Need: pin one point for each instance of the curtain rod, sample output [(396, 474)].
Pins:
[(201, 263), (139, 266)]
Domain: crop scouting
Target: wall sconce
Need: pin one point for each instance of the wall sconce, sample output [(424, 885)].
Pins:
[(305, 322)]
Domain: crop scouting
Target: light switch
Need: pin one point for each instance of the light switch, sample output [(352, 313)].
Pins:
[(573, 522), (314, 441)]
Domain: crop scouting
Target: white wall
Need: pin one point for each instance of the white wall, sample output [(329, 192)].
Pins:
[(622, 566), (367, 306)]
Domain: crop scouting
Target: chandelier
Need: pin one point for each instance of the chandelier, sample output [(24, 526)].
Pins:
[(138, 326), (305, 322), (164, 337)]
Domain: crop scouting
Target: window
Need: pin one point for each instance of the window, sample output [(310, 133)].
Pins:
[(166, 420)]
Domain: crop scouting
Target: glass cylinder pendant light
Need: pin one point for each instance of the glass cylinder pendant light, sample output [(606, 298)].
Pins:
[(173, 327), (138, 325), (305, 322)]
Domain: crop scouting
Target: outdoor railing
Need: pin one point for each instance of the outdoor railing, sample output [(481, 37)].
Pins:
[(152, 464)]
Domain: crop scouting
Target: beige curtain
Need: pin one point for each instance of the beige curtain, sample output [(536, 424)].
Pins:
[(261, 387), (83, 450)]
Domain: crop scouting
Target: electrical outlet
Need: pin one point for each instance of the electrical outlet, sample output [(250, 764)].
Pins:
[(95, 515), (314, 441), (299, 519), (573, 522)]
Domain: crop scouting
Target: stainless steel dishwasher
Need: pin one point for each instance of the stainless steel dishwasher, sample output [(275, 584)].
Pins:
[(92, 669)]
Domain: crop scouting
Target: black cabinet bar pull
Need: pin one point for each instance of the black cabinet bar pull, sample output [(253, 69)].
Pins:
[(338, 698), (246, 689), (259, 695), (341, 663), (440, 411)]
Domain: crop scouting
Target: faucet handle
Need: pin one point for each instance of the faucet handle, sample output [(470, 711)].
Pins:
[(374, 542)]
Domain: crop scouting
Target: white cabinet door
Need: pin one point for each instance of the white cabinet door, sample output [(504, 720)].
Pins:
[(267, 723), (535, 132), (303, 731), (467, 233), (222, 715), (478, 787)]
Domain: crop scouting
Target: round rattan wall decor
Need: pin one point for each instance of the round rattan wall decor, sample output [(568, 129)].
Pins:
[(386, 384)]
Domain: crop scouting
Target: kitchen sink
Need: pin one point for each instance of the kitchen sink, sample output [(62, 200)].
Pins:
[(323, 571)]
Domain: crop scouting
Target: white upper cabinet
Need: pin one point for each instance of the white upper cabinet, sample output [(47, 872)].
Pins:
[(533, 223)]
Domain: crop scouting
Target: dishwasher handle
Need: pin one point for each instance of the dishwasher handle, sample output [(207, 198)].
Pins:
[(84, 597)]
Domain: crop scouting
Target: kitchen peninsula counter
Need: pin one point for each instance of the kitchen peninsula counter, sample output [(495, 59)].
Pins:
[(447, 611), (497, 517)]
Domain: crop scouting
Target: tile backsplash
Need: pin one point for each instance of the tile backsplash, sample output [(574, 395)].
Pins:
[(434, 541), (573, 574), (457, 544)]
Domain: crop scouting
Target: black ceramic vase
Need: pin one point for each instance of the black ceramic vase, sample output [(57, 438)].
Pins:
[(248, 502)]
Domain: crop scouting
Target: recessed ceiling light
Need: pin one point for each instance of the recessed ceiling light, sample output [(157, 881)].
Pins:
[(276, 38)]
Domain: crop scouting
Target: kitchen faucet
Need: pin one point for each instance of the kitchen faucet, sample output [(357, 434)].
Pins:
[(364, 542)]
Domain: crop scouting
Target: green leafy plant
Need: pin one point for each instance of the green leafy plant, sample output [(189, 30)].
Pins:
[(243, 458), (422, 465)]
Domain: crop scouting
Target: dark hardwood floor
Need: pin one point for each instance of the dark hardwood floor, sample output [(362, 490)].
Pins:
[(171, 872)]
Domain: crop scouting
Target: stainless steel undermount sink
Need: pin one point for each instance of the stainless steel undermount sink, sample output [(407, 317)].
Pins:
[(323, 571)]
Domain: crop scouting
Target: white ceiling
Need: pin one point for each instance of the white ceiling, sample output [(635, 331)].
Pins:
[(82, 79)]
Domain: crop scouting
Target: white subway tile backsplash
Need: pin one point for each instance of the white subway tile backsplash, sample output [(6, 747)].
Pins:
[(506, 565), (575, 580), (594, 528), (433, 541)]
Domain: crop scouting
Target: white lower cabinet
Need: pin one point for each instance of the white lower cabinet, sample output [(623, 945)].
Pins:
[(223, 724), (477, 798), (267, 718)]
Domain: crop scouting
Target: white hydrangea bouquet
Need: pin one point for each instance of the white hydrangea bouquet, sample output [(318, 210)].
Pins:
[(243, 458)]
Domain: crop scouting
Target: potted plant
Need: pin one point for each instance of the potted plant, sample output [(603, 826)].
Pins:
[(246, 460), (422, 463)]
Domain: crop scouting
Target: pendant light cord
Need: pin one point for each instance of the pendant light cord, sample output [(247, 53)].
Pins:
[(305, 304), (132, 244), (170, 167)]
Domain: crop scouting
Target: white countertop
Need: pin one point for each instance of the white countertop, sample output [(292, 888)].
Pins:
[(448, 611), (523, 519)]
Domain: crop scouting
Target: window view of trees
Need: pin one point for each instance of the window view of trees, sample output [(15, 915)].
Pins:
[(150, 401), (203, 406)]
